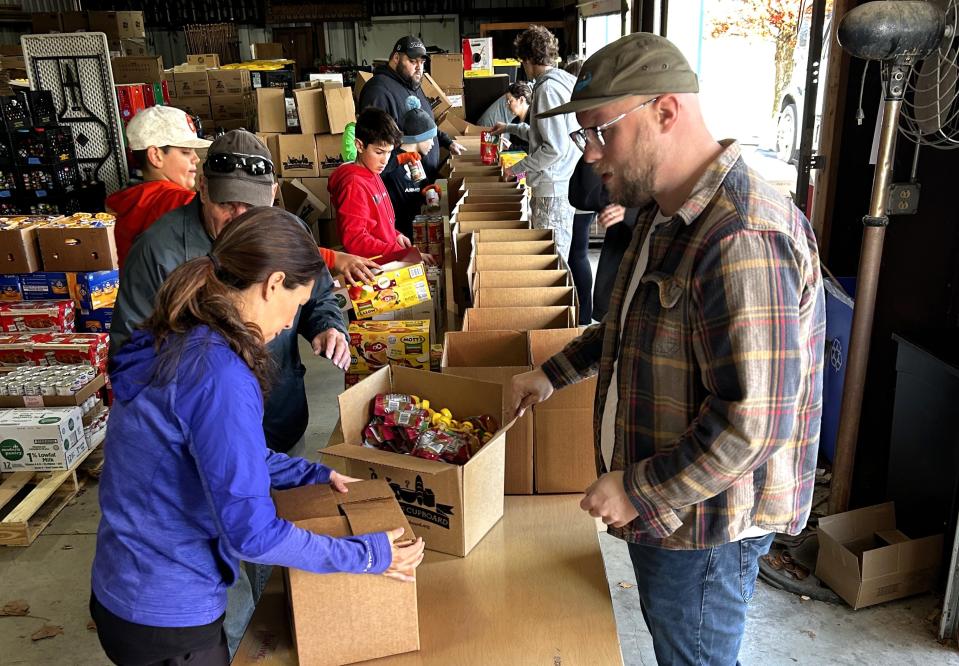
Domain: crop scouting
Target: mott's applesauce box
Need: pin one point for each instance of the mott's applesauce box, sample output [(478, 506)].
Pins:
[(374, 344), (41, 440), (402, 284)]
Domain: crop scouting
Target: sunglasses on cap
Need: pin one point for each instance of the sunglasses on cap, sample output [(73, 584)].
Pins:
[(230, 162)]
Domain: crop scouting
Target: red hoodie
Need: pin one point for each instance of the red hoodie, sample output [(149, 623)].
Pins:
[(364, 213), (140, 206)]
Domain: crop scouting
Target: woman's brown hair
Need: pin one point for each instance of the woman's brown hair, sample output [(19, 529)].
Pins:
[(203, 291)]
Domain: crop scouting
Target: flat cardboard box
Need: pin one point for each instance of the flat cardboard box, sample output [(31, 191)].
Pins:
[(498, 356), (370, 506), (229, 81), (190, 84), (311, 109), (527, 279), (523, 297), (319, 191), (328, 151), (439, 102), (563, 430), (447, 70), (78, 249), (207, 60), (523, 319), (41, 439), (19, 250), (298, 156), (138, 69), (516, 247), (451, 506), (867, 561), (270, 111)]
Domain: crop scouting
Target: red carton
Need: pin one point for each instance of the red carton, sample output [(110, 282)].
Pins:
[(37, 316)]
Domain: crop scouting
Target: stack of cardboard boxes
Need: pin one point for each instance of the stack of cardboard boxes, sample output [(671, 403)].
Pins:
[(125, 31), (220, 98)]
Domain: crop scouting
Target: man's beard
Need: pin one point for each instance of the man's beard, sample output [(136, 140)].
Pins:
[(410, 80), (633, 186)]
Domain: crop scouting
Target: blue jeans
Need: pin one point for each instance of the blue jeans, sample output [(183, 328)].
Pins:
[(694, 601)]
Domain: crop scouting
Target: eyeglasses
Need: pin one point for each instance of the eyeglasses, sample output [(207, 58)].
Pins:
[(254, 165), (594, 135)]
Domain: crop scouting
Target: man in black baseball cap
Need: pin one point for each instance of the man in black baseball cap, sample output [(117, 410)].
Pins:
[(392, 84)]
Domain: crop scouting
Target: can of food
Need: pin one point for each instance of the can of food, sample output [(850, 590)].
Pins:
[(420, 231), (48, 387), (489, 148), (31, 387), (435, 229)]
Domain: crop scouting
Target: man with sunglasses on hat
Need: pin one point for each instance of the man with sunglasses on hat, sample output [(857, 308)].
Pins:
[(390, 87), (709, 361)]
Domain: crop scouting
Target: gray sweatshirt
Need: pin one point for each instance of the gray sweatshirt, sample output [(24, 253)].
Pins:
[(552, 154)]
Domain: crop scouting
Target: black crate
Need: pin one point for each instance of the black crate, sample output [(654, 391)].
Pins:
[(43, 146), (16, 112), (280, 78), (42, 182), (42, 109)]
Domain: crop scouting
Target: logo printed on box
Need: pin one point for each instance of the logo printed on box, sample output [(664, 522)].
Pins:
[(301, 162), (420, 501)]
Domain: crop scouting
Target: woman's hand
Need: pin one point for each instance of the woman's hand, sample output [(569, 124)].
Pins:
[(339, 481), (612, 214), (356, 270), (498, 128), (407, 555)]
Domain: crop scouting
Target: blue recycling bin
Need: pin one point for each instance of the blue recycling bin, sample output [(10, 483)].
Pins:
[(839, 307)]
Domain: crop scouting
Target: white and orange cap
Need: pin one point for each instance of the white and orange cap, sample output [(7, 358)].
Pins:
[(163, 126)]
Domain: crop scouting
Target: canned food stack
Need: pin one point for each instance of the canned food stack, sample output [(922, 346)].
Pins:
[(428, 236), (62, 380)]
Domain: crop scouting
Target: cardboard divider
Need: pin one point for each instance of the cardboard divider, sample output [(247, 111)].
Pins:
[(522, 319), (512, 235), (513, 207), (451, 506), (528, 279), (508, 262), (523, 297), (369, 507), (546, 247), (498, 356)]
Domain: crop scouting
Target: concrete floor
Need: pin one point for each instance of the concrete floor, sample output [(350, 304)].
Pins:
[(52, 575)]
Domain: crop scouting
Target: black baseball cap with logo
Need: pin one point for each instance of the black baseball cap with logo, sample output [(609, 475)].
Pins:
[(411, 46)]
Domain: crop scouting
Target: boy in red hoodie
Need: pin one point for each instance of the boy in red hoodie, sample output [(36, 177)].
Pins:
[(163, 141), (364, 214)]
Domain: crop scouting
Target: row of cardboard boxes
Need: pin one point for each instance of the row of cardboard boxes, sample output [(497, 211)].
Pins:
[(198, 77), (52, 316), (90, 290), (81, 242)]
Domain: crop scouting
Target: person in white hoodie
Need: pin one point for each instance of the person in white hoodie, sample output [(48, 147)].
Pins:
[(552, 154)]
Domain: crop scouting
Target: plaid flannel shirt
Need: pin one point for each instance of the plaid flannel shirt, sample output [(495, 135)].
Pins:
[(719, 365)]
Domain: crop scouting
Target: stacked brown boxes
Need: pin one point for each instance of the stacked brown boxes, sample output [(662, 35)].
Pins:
[(520, 309), (220, 98)]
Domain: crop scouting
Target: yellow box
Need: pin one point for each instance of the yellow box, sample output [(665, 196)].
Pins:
[(375, 344), (402, 284)]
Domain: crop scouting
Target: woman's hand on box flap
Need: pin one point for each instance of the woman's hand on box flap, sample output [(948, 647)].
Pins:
[(407, 555), (356, 270), (334, 345), (530, 388), (340, 481)]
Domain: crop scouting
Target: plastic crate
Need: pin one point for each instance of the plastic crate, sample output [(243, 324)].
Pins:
[(42, 109), (40, 146), (16, 112), (41, 182)]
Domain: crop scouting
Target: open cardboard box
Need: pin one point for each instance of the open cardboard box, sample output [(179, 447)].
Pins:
[(509, 197), (522, 319), (498, 356), (523, 297), (514, 247), (510, 207), (867, 561), (509, 262), (563, 430), (512, 235), (369, 506), (451, 506)]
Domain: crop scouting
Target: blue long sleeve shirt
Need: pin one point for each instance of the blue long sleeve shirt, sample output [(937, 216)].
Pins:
[(185, 491)]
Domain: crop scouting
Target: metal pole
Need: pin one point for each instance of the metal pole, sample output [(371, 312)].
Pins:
[(808, 161), (870, 259)]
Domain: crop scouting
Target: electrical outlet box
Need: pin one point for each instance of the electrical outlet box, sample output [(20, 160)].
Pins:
[(903, 199)]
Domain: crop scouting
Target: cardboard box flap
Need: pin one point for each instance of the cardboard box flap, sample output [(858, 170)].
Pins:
[(547, 342), (464, 227), (544, 278), (513, 235), (312, 501), (376, 516), (367, 491), (911, 555), (516, 247), (493, 215), (333, 526), (486, 349), (519, 262), (859, 524), (377, 457), (520, 297)]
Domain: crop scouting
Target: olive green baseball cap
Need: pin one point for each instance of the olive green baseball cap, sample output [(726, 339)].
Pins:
[(638, 64)]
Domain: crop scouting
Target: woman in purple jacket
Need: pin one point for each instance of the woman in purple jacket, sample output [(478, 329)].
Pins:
[(185, 493)]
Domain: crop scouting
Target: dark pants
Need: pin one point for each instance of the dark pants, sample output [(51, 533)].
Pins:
[(130, 644), (579, 266), (694, 601)]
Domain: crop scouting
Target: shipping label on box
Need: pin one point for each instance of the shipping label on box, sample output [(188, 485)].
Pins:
[(191, 84), (208, 60), (370, 506), (375, 344), (401, 284), (45, 286), (229, 81), (95, 321), (451, 506), (298, 156), (41, 439), (478, 57)]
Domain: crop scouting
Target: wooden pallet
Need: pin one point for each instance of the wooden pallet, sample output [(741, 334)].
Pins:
[(29, 501)]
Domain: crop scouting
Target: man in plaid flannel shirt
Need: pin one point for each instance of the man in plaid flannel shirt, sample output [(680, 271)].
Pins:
[(710, 358)]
